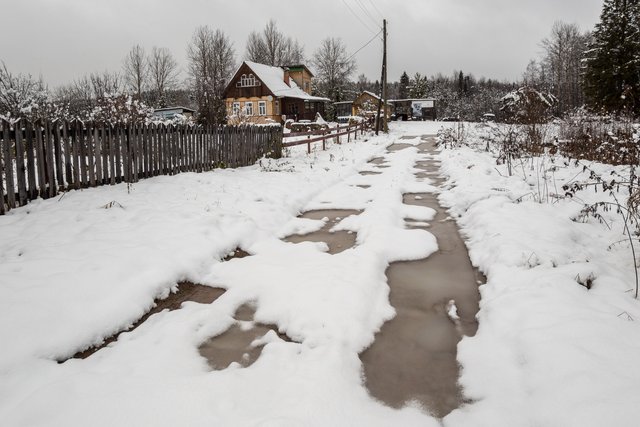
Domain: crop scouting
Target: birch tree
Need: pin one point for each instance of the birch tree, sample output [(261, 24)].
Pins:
[(273, 48), (135, 70), (211, 62), (163, 71)]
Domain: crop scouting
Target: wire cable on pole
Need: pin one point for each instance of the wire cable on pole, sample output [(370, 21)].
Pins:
[(376, 8), (363, 46), (367, 13), (357, 17)]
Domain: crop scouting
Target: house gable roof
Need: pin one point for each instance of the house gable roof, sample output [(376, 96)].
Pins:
[(273, 79), (371, 94)]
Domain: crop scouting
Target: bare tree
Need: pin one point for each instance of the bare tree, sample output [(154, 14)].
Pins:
[(105, 83), (211, 62), (163, 70), (333, 69), (563, 59), (136, 70), (271, 47)]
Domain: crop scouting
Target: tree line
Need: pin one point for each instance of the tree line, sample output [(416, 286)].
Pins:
[(150, 79), (598, 69)]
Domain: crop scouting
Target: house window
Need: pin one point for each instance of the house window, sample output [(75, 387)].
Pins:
[(277, 108), (247, 81), (248, 108), (235, 109), (262, 108)]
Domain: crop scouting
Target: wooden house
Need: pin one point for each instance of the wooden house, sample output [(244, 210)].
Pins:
[(366, 105), (261, 93)]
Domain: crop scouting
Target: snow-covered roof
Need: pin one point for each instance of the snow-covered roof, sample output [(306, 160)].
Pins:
[(373, 95), (273, 78), (413, 99), (174, 108)]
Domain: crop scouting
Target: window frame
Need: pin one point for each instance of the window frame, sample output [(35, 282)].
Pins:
[(248, 104), (262, 108)]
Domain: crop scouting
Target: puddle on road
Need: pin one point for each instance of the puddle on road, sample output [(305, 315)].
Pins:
[(235, 344), (413, 357), (377, 160), (186, 292), (238, 253), (337, 241), (398, 146)]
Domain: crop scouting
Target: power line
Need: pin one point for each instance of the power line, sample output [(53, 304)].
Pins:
[(376, 8), (367, 13), (363, 46), (358, 17)]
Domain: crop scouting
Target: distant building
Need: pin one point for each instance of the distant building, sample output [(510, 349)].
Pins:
[(169, 113), (366, 105), (344, 109), (415, 109), (261, 93)]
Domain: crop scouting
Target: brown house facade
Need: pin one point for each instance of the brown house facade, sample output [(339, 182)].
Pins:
[(261, 93)]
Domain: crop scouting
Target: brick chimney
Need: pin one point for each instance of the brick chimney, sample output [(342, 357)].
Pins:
[(287, 76)]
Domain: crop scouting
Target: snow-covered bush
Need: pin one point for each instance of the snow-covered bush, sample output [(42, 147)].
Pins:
[(527, 106), (21, 96), (120, 108), (607, 139)]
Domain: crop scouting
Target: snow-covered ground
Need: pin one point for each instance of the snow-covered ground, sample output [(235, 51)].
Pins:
[(76, 269), (548, 352)]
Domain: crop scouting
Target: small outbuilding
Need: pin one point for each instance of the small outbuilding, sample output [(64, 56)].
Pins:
[(170, 113)]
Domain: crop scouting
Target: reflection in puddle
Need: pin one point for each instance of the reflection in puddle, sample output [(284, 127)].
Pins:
[(398, 146), (337, 241), (413, 357)]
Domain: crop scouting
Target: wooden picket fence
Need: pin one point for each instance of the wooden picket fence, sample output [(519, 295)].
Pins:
[(44, 158), (300, 138)]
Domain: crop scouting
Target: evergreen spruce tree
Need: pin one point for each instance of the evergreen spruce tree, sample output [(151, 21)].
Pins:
[(612, 73), (404, 86)]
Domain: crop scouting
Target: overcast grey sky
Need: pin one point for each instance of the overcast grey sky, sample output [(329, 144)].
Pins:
[(64, 39)]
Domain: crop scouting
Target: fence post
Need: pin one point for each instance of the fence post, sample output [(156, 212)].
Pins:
[(3, 162), (20, 169), (31, 164), (50, 149), (8, 161)]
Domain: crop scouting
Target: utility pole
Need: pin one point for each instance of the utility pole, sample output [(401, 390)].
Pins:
[(383, 81)]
